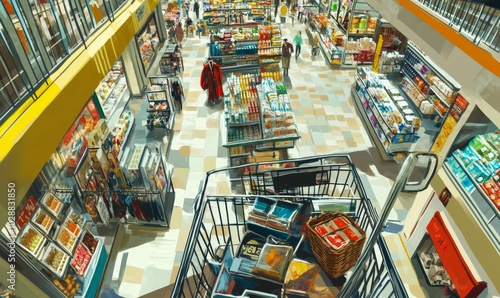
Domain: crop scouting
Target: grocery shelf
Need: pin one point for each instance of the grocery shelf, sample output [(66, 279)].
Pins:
[(409, 99), (439, 95), (249, 123), (474, 201), (371, 130), (420, 75)]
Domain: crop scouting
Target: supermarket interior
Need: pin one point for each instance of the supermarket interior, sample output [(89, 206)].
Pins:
[(175, 157)]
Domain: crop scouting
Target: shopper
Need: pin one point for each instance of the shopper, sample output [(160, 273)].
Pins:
[(276, 6), (283, 12), (315, 44), (286, 52), (298, 44), (196, 9), (301, 12), (293, 12), (179, 34), (171, 35), (185, 8)]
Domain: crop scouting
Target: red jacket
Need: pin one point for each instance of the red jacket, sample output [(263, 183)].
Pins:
[(211, 79)]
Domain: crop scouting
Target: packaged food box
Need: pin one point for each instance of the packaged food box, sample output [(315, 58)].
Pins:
[(55, 259), (338, 223), (323, 230), (31, 240), (352, 233), (66, 239), (42, 220), (53, 204), (273, 261), (337, 240)]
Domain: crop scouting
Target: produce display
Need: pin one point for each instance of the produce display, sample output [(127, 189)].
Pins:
[(53, 204), (81, 260), (42, 220), (235, 34), (67, 239), (55, 259), (478, 163), (31, 240)]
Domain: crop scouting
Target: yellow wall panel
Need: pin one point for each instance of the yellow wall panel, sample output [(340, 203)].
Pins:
[(34, 135)]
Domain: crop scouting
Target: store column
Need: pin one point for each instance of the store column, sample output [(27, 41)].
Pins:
[(137, 78)]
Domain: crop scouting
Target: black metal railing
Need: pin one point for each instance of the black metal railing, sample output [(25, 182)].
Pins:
[(36, 38), (479, 19)]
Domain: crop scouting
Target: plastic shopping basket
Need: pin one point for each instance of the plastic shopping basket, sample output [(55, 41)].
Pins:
[(220, 220)]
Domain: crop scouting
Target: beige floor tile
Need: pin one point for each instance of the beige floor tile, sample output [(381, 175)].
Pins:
[(185, 151), (133, 275), (199, 134), (180, 177), (209, 163)]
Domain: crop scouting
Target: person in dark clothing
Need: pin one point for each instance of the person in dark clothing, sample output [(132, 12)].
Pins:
[(277, 4), (196, 9)]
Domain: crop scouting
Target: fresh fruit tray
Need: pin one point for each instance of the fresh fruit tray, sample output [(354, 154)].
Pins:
[(73, 227)]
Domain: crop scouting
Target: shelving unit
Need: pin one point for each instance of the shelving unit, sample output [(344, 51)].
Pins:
[(385, 119), (474, 176), (331, 45), (225, 14), (247, 130), (238, 47), (269, 46), (160, 109), (171, 62), (427, 84)]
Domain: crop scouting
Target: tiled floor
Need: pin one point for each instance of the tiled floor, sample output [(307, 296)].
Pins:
[(327, 123)]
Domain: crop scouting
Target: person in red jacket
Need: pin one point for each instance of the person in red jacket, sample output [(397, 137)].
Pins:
[(286, 52), (211, 79)]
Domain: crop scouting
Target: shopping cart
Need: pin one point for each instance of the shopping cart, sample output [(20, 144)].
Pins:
[(220, 220)]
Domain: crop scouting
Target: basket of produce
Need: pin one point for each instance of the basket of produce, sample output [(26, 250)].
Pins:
[(336, 242)]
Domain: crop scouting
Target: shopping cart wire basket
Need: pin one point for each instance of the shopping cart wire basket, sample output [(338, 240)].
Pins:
[(220, 220)]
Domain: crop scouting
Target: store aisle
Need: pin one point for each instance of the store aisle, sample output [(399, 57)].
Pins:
[(324, 113)]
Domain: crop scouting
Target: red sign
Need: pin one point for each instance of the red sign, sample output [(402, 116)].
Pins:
[(454, 263), (25, 214), (459, 107)]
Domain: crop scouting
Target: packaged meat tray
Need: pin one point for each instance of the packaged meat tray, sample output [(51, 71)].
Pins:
[(81, 260), (67, 240), (31, 240), (42, 220), (56, 260), (52, 203)]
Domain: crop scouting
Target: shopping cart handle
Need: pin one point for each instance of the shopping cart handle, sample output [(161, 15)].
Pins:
[(427, 162)]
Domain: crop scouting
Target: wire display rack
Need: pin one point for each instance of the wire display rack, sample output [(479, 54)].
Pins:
[(221, 220)]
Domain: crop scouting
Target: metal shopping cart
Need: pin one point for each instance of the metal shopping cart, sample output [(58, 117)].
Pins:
[(330, 181)]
